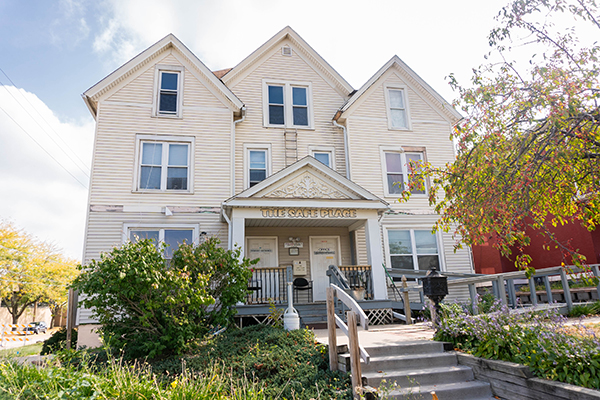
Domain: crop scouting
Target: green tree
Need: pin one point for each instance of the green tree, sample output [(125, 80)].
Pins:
[(529, 145), (31, 271), (149, 307)]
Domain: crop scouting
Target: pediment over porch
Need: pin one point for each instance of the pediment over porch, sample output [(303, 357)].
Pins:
[(307, 180)]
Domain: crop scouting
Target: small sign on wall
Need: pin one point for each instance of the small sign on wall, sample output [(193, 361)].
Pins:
[(300, 267), (287, 245)]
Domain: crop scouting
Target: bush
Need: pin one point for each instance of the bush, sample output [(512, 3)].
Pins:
[(58, 341), (289, 364), (538, 340), (585, 309), (150, 308)]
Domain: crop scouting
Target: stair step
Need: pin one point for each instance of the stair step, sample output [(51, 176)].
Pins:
[(420, 377), (413, 347), (399, 363), (474, 390)]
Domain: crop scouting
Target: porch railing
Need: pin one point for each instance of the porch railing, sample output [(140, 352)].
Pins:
[(269, 284), (359, 276)]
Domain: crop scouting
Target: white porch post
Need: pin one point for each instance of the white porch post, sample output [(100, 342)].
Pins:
[(375, 257), (238, 231)]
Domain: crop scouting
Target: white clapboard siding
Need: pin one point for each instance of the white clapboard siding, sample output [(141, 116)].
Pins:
[(326, 101)]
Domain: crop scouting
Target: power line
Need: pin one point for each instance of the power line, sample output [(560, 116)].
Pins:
[(43, 130), (46, 151), (44, 119)]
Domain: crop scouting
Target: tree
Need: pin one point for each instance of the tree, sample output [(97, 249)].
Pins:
[(31, 271), (149, 307), (529, 145)]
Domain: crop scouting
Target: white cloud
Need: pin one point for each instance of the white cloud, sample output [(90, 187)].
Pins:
[(38, 195)]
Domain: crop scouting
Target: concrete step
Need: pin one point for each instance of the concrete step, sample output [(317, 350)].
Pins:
[(474, 390), (412, 361), (413, 347), (420, 377)]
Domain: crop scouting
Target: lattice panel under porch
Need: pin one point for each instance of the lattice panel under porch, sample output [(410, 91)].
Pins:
[(380, 316)]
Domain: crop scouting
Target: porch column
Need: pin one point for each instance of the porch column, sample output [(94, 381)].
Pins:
[(375, 257), (238, 232)]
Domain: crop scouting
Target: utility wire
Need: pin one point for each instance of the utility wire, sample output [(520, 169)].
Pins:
[(42, 147), (44, 130)]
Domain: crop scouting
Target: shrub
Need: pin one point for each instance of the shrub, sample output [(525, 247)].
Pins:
[(538, 340), (585, 309), (148, 307), (58, 341), (289, 364)]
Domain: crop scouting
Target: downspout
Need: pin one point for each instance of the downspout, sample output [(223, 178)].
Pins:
[(335, 123), (235, 122)]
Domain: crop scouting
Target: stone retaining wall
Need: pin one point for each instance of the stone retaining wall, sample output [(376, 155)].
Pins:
[(512, 381)]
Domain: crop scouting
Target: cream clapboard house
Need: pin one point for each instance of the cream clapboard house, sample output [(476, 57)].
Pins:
[(279, 155)]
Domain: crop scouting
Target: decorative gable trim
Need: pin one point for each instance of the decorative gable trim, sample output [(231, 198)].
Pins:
[(300, 47), (307, 186), (116, 78), (412, 78)]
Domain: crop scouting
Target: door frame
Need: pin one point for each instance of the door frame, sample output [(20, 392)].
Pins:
[(339, 252), (247, 248)]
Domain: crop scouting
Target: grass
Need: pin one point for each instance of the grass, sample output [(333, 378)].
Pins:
[(28, 350)]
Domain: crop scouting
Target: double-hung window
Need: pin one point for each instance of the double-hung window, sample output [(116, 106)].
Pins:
[(397, 109), (287, 104), (164, 165), (324, 154), (413, 249), (397, 171), (257, 164), (169, 85), (173, 237)]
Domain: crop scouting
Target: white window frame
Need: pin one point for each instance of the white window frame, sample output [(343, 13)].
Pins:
[(388, 107), (161, 230), (174, 69), (412, 229), (189, 140), (288, 116), (324, 149), (402, 151), (266, 147)]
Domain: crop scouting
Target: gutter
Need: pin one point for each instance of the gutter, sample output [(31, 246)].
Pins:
[(335, 123)]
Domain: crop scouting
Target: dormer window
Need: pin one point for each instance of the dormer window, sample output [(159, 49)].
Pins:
[(287, 104), (397, 108), (168, 97)]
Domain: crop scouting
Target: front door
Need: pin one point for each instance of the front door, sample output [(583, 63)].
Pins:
[(324, 251), (267, 278)]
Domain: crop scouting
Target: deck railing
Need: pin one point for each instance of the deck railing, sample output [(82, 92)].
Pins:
[(359, 276), (269, 284)]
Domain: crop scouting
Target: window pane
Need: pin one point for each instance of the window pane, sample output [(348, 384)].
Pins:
[(178, 154), (398, 118), (323, 157), (393, 162), (403, 262), (150, 178), (169, 81), (257, 175), (275, 94), (400, 242), (175, 237), (426, 242), (177, 178), (299, 96), (426, 262), (168, 102), (301, 116), (415, 157), (151, 153), (138, 235), (396, 99), (395, 183), (258, 159), (276, 115)]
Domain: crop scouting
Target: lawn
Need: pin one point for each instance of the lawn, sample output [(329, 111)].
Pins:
[(28, 350)]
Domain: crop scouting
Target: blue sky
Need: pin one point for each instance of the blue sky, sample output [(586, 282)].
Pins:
[(54, 50)]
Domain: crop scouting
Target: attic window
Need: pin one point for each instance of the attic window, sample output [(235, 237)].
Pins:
[(168, 91), (286, 51)]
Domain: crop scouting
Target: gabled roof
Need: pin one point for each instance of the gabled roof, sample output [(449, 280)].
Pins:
[(307, 179), (299, 44), (396, 62), (92, 95)]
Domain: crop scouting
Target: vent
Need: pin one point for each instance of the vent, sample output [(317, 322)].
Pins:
[(286, 51)]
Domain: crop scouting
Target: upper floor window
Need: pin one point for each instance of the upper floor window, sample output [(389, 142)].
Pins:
[(413, 249), (257, 164), (397, 171), (397, 109), (168, 98), (287, 104), (164, 164), (324, 154)]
